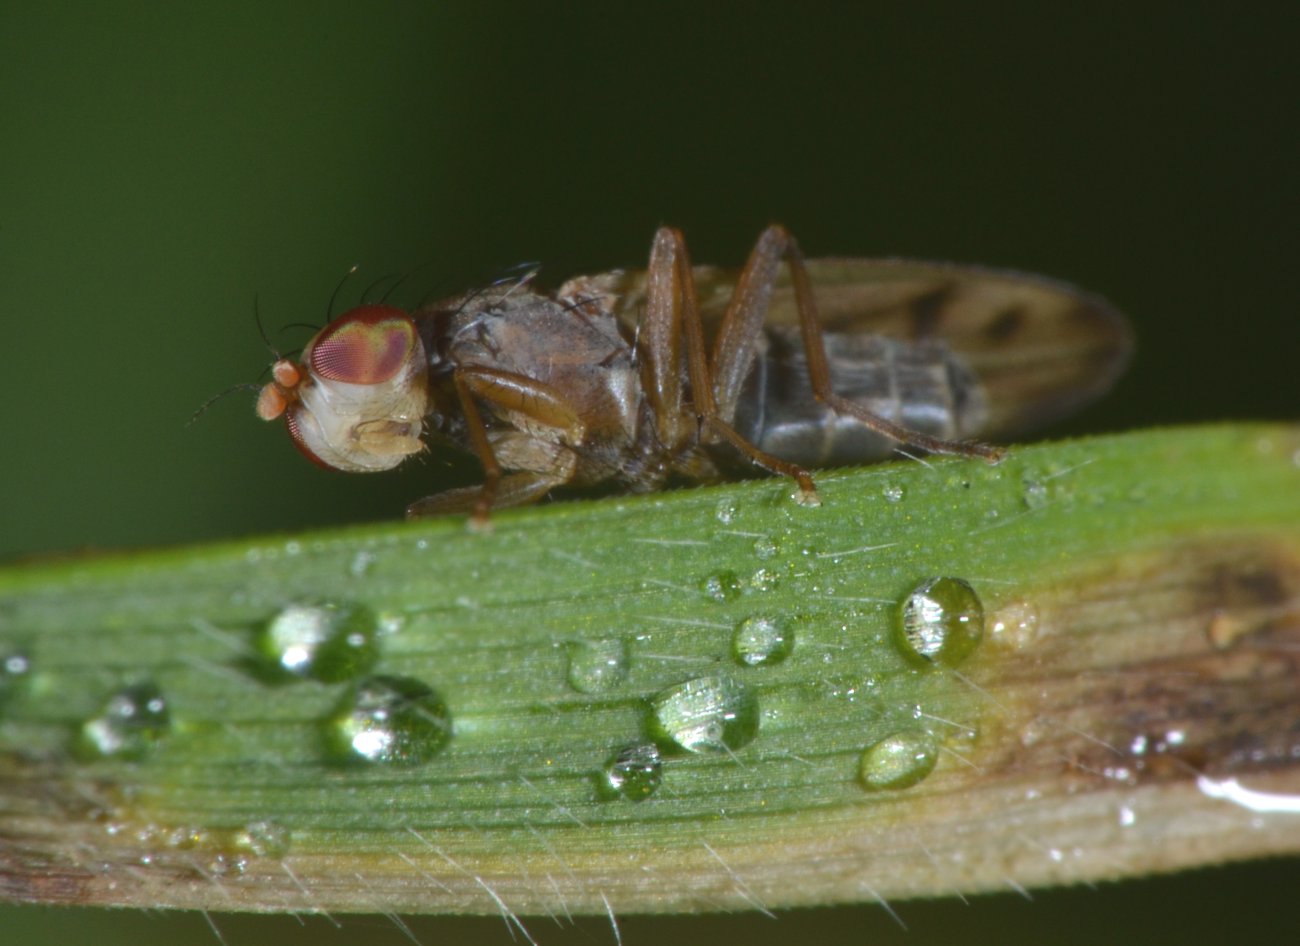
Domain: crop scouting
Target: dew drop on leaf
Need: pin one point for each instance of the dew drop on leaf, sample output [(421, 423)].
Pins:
[(941, 621), (388, 719), (706, 714), (131, 722), (899, 760)]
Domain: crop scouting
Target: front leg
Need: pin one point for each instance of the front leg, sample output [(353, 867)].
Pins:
[(541, 466), (533, 408)]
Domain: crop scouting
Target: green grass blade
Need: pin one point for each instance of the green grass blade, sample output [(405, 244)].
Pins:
[(1130, 709)]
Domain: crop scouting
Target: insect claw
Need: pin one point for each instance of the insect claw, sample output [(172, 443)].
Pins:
[(806, 497), (806, 494), (991, 454)]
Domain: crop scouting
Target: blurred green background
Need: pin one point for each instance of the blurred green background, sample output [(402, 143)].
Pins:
[(161, 165)]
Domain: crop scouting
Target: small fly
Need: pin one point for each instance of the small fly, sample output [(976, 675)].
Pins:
[(639, 378)]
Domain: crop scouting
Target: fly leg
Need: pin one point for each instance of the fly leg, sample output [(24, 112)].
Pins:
[(546, 464), (672, 314), (736, 346)]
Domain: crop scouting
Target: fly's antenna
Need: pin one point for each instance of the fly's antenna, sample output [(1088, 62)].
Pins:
[(329, 309), (246, 386)]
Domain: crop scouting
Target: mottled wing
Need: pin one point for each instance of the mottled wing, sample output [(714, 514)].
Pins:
[(1042, 349)]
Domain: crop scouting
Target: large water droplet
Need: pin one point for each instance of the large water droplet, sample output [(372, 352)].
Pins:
[(707, 714), (760, 641), (596, 666), (942, 621), (328, 642), (389, 719), (899, 760), (131, 722), (633, 773)]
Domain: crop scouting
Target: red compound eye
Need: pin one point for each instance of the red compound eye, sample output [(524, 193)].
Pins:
[(299, 441), (367, 345)]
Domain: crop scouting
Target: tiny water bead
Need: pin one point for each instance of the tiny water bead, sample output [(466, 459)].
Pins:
[(722, 586), (707, 714), (327, 642), (1015, 624), (263, 838), (941, 621), (762, 640), (893, 493), (596, 666), (388, 719), (899, 760), (1034, 493), (634, 773), (131, 722)]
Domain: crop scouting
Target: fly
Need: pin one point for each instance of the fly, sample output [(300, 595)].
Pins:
[(637, 378)]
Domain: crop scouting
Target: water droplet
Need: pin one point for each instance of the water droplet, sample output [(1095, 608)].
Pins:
[(722, 586), (707, 714), (263, 838), (941, 621), (764, 579), (726, 511), (389, 719), (1034, 493), (327, 642), (362, 562), (633, 773), (760, 641), (131, 722), (596, 666), (898, 761), (1015, 624), (893, 493), (765, 547)]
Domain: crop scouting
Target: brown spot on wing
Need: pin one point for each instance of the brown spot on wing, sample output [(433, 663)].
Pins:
[(1005, 324)]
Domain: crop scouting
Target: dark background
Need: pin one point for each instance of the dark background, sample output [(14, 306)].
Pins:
[(160, 167)]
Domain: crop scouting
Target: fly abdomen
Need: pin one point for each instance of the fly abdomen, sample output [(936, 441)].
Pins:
[(919, 385)]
